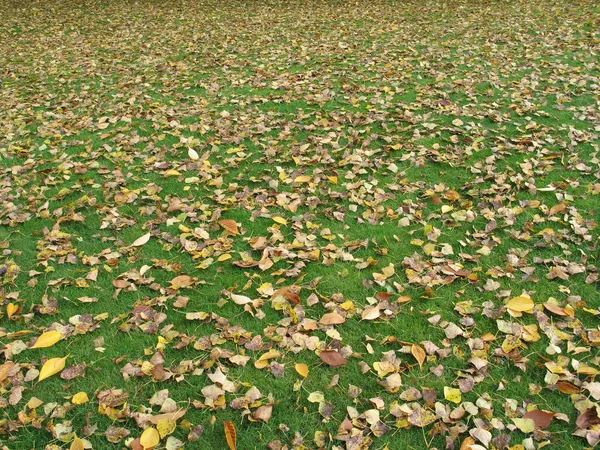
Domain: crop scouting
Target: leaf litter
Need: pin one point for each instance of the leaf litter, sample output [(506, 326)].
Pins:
[(300, 225)]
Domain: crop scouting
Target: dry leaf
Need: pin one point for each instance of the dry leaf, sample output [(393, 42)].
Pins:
[(332, 358), (230, 226), (141, 240), (230, 434), (419, 353)]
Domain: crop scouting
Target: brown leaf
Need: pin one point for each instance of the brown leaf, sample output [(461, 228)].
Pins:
[(541, 418), (588, 418), (332, 358), (558, 208)]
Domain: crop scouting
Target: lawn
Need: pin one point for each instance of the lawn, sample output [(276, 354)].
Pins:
[(299, 224)]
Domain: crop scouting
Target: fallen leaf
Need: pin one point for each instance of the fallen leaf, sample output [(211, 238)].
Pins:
[(302, 369), (230, 226), (230, 434), (150, 438), (52, 367), (47, 339), (141, 240), (419, 353), (332, 358)]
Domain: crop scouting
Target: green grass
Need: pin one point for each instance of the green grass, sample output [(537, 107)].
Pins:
[(362, 97)]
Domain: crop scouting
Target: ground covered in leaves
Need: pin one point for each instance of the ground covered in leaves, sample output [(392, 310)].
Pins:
[(299, 225)]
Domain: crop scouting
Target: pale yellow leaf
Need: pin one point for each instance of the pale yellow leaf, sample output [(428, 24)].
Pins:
[(141, 240), (520, 304)]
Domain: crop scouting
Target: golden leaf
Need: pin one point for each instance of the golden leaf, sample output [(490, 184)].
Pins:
[(302, 369), (165, 427), (419, 354), (11, 308), (77, 444), (47, 339), (230, 226), (52, 367), (230, 434), (149, 438), (79, 398)]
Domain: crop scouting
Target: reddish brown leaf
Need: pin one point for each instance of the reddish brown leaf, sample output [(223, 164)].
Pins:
[(332, 358)]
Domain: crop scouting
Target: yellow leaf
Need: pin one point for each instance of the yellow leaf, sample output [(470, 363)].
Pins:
[(165, 427), (149, 438), (452, 394), (224, 257), (193, 154), (302, 369), (419, 354), (52, 367), (47, 339), (525, 425), (77, 444), (79, 398), (302, 179), (172, 173), (263, 361), (520, 304), (280, 220), (11, 308), (230, 434)]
